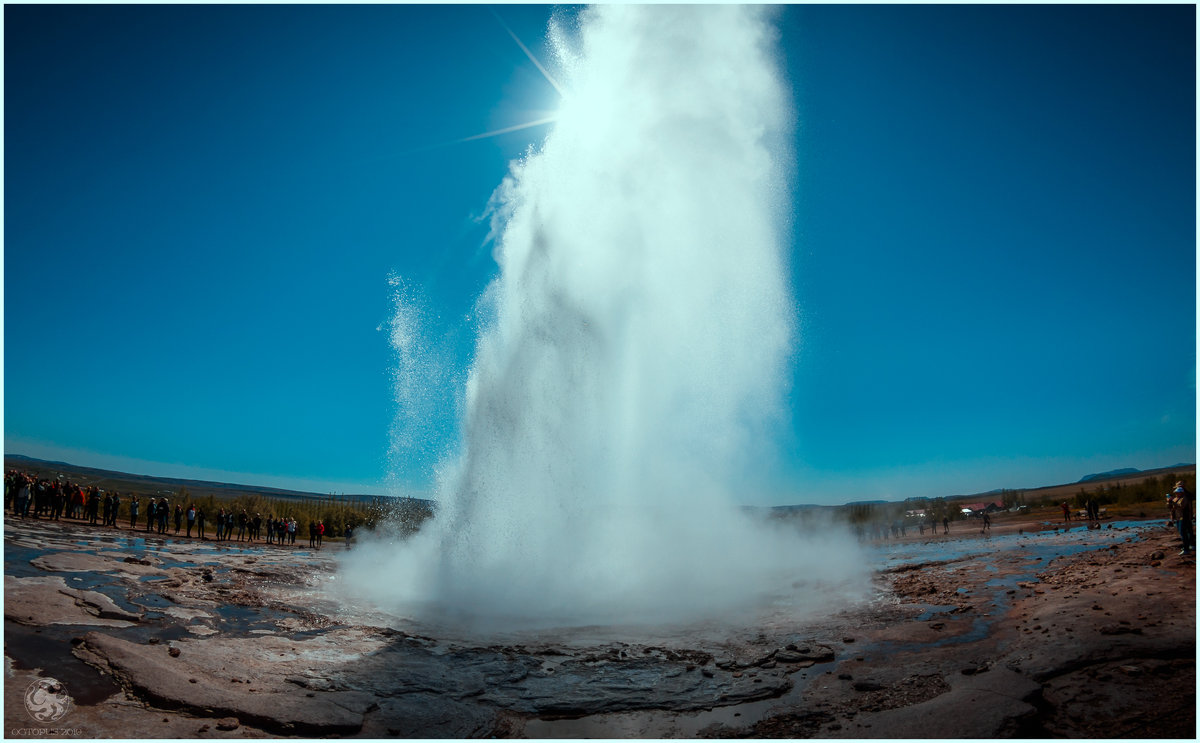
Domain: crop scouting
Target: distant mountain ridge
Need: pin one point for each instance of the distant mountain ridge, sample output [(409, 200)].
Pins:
[(997, 493), (196, 487), (1126, 471), (1110, 473)]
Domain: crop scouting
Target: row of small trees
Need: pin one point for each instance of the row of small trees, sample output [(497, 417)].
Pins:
[(935, 510), (1148, 490), (1124, 493)]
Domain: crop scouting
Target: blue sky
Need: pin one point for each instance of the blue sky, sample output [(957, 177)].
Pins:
[(993, 249)]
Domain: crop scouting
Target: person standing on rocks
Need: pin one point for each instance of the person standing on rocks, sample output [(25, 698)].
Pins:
[(51, 498), (25, 484), (200, 523), (164, 510), (134, 506), (45, 498), (31, 506), (178, 517), (22, 496), (58, 500), (29, 495), (946, 524), (77, 502), (1066, 509), (191, 519), (1187, 531)]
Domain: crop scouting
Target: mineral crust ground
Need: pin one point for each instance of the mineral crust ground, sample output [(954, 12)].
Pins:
[(1036, 632)]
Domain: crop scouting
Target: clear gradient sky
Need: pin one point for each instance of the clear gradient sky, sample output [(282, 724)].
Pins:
[(993, 250)]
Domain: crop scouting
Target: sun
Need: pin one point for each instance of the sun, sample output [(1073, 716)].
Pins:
[(545, 73)]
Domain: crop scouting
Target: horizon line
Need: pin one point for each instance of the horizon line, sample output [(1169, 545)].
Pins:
[(204, 475)]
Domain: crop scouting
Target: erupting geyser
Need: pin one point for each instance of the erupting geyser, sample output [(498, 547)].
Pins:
[(635, 355)]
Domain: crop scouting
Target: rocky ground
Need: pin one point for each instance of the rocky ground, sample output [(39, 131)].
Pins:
[(1098, 644), (1089, 633)]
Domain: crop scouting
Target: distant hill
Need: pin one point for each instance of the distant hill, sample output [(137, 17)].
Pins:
[(1067, 489), (791, 509), (1125, 472), (1110, 474), (148, 484)]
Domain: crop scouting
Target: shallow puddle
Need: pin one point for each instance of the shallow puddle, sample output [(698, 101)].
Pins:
[(49, 648)]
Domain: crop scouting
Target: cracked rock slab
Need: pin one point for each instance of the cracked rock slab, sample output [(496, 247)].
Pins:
[(81, 562), (429, 716), (576, 690), (188, 681), (45, 601), (993, 704)]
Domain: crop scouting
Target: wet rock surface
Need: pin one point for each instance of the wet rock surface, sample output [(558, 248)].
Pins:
[(73, 562), (177, 638)]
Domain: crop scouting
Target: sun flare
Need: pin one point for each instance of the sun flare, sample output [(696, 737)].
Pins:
[(545, 74)]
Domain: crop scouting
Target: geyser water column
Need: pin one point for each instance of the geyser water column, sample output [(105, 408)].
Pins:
[(637, 342)]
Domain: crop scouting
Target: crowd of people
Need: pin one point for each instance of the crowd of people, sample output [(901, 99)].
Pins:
[(28, 497)]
